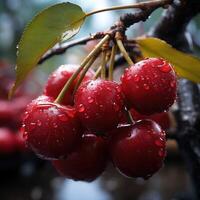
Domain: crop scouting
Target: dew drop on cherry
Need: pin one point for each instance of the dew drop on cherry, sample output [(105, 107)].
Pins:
[(116, 107), (136, 78), (146, 87), (90, 100), (39, 123), (55, 125), (63, 118), (161, 153), (165, 68), (159, 143), (172, 84), (32, 126), (81, 108)]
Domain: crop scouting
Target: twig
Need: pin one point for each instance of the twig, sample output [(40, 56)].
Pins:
[(124, 22), (60, 49), (141, 5), (172, 28)]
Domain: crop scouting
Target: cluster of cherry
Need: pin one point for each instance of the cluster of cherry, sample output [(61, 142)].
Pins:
[(89, 128)]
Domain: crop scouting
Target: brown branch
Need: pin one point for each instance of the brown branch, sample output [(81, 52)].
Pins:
[(121, 25), (60, 49), (172, 28)]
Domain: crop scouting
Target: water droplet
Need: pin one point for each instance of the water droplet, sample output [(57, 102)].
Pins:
[(64, 73), (90, 100), (159, 143), (155, 75), (146, 87), (118, 89), (39, 123), (116, 107), (55, 125), (24, 133), (81, 108), (136, 78), (147, 176), (161, 153), (128, 77), (63, 117), (166, 68), (32, 125), (54, 75), (108, 88), (101, 106), (173, 84), (163, 133), (86, 116)]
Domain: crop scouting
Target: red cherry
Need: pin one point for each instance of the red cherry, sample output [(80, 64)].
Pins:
[(59, 77), (99, 104), (21, 142), (7, 141), (51, 130), (162, 119), (150, 86), (88, 160), (138, 150)]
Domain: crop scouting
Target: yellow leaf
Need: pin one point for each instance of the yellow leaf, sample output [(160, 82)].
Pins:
[(185, 65)]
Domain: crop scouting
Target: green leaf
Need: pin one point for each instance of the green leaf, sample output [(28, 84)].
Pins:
[(52, 25), (185, 65)]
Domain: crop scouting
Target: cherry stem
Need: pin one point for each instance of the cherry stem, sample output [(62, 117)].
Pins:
[(97, 73), (142, 5), (76, 73), (103, 65), (124, 52), (83, 73), (112, 61), (129, 116)]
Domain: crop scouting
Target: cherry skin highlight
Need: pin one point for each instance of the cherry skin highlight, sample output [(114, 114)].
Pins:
[(99, 104), (138, 150), (87, 161), (51, 130), (150, 86), (59, 77)]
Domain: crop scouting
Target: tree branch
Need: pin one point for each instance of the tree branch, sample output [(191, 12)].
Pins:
[(60, 49), (121, 25), (172, 28)]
